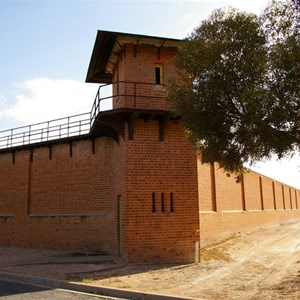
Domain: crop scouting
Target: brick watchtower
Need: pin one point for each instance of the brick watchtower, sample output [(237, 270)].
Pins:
[(155, 168)]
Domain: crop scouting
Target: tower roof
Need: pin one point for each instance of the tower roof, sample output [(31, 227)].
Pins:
[(107, 47)]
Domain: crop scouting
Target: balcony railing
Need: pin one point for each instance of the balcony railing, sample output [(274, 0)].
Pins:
[(45, 131), (79, 124), (136, 91)]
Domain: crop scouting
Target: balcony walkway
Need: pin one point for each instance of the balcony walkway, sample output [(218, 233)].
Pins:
[(99, 121)]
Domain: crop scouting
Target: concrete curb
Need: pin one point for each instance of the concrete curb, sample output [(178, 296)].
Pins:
[(73, 286)]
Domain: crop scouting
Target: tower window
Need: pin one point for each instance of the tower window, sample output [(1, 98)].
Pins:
[(158, 75)]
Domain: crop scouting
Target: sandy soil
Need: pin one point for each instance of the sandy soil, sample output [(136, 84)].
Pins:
[(261, 264)]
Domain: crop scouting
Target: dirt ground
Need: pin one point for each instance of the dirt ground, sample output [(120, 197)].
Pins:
[(261, 264)]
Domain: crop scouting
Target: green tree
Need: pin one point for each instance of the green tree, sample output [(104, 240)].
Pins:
[(281, 22), (229, 96)]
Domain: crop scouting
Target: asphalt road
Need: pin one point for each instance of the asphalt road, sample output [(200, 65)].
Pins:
[(19, 291)]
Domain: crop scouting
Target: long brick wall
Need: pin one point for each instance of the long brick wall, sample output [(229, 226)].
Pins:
[(228, 207), (142, 198), (59, 197), (137, 198)]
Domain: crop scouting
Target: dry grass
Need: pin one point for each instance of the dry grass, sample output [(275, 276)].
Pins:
[(214, 254), (211, 251)]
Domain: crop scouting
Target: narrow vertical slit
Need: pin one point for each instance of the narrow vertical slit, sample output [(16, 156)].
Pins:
[(291, 200), (296, 199), (71, 149), (171, 203), (261, 193), (157, 75), (162, 202), (283, 198), (50, 152), (243, 192), (153, 203), (274, 195), (213, 187)]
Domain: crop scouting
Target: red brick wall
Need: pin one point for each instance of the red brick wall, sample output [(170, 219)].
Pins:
[(252, 191), (158, 171), (68, 197), (14, 183), (63, 198), (278, 195), (228, 191), (206, 201), (267, 193), (252, 202), (216, 226), (119, 183)]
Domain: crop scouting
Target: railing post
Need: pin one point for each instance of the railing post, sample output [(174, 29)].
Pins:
[(29, 134), (99, 98), (11, 137), (96, 101), (68, 131), (48, 130), (91, 113)]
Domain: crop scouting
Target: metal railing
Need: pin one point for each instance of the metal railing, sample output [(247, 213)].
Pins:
[(136, 91), (82, 123), (45, 131)]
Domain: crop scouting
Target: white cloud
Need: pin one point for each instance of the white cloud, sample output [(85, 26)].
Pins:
[(252, 6), (43, 99), (3, 103), (204, 8)]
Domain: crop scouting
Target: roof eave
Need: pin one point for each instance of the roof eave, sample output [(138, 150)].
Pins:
[(103, 48)]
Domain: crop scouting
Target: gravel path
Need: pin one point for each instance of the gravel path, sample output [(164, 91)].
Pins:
[(260, 264)]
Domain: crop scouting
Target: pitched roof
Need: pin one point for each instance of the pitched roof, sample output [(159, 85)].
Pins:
[(107, 47)]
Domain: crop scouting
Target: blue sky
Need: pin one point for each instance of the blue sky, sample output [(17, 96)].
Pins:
[(46, 47), (48, 44)]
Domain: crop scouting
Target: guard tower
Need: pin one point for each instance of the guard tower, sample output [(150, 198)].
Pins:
[(155, 168)]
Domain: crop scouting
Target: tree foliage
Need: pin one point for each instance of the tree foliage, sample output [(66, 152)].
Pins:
[(238, 93)]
